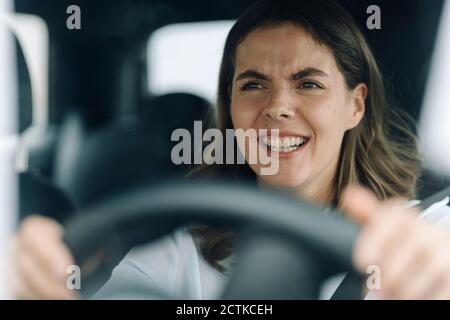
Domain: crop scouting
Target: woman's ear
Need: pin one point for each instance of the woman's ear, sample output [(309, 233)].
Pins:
[(358, 105)]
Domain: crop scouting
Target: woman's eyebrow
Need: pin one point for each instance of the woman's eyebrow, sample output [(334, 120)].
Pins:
[(308, 72), (252, 74)]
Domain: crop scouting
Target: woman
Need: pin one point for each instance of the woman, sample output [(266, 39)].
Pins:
[(302, 68)]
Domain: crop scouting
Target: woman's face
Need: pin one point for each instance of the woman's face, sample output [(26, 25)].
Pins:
[(285, 80)]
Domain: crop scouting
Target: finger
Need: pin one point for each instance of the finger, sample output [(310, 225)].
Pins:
[(442, 292), (433, 278), (424, 260), (39, 284), (21, 291), (405, 270), (359, 204), (378, 238), (420, 286), (42, 238), (19, 288), (37, 281), (397, 261)]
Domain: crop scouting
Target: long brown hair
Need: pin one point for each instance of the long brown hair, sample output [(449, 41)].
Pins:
[(380, 153)]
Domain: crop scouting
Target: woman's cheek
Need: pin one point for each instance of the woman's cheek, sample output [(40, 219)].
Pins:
[(244, 116), (328, 137), (237, 116)]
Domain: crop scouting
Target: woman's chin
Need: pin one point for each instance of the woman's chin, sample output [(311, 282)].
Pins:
[(283, 180)]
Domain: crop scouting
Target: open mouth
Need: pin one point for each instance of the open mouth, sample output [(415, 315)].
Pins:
[(284, 144)]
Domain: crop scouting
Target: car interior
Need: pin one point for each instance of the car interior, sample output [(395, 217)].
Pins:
[(95, 122)]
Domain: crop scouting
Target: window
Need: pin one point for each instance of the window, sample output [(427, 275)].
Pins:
[(186, 58), (434, 127)]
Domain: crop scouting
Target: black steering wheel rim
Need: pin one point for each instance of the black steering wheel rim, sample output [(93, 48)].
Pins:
[(150, 212)]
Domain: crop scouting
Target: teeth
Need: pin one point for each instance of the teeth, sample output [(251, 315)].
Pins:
[(283, 144), (283, 149), (292, 141), (274, 142)]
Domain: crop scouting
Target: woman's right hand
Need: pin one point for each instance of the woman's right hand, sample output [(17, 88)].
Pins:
[(41, 260)]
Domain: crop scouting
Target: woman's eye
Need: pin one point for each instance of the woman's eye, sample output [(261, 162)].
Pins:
[(310, 85), (252, 85)]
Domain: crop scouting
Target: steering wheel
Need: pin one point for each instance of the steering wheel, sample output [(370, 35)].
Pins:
[(285, 246)]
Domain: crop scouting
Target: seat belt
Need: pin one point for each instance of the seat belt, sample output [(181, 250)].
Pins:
[(441, 195), (350, 288)]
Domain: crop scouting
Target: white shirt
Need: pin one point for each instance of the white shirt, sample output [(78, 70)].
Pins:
[(174, 269)]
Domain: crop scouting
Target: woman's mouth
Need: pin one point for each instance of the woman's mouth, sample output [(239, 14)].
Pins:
[(284, 145)]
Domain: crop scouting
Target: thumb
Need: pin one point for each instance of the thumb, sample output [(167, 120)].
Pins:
[(359, 204)]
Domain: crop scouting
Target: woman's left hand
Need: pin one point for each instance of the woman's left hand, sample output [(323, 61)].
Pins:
[(413, 257)]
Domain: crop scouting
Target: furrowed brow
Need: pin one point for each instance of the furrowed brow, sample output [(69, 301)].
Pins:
[(252, 74), (308, 72)]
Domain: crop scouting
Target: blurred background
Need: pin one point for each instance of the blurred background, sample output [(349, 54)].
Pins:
[(87, 113)]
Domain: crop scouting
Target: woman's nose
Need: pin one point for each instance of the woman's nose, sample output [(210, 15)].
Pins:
[(278, 108)]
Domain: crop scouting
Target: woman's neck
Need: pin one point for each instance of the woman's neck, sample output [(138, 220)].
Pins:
[(321, 196), (318, 190)]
